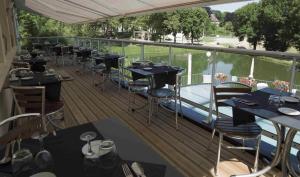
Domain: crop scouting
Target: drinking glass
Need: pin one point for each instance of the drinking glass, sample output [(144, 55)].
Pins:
[(43, 159), (21, 159), (109, 159), (88, 136)]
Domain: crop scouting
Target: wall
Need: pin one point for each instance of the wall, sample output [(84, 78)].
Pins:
[(7, 53)]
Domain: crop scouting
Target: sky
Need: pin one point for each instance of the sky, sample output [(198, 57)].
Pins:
[(231, 7)]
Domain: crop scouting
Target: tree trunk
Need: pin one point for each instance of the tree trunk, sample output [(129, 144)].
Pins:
[(192, 35), (174, 35), (254, 45)]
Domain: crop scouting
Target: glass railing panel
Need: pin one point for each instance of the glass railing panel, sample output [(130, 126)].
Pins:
[(132, 53), (116, 48), (267, 70), (94, 44), (193, 61), (156, 54), (104, 47)]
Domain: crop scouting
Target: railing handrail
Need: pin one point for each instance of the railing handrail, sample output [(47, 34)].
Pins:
[(273, 54)]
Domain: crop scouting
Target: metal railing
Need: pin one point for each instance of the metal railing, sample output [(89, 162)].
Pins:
[(108, 45)]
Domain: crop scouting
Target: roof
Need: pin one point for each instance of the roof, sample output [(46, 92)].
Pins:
[(79, 11)]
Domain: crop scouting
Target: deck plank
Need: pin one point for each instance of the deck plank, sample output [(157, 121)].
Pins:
[(185, 148)]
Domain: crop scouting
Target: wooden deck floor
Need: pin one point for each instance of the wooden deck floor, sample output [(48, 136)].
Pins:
[(184, 148)]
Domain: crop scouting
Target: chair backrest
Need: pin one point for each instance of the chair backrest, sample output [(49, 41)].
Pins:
[(20, 64), (179, 82), (20, 127), (172, 80), (228, 90), (29, 99)]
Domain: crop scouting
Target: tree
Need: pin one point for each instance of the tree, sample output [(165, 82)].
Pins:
[(172, 23), (274, 23), (155, 22), (246, 24), (294, 27), (194, 22)]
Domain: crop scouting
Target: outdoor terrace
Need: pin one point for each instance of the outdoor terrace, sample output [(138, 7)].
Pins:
[(184, 148)]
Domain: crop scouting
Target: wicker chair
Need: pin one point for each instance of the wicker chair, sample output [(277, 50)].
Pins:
[(31, 99), (224, 125), (19, 127)]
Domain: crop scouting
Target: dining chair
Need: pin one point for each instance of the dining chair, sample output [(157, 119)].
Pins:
[(20, 64), (109, 74), (158, 95), (139, 86), (225, 126), (18, 127), (31, 99)]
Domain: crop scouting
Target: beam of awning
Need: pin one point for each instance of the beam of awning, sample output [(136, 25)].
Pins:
[(79, 11)]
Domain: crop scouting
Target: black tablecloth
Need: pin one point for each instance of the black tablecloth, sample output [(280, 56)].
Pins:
[(52, 85), (110, 61), (262, 108), (69, 161), (161, 75)]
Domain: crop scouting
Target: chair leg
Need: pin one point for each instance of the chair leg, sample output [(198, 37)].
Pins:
[(181, 112), (150, 109), (129, 99), (219, 153), (176, 114), (211, 139), (257, 153)]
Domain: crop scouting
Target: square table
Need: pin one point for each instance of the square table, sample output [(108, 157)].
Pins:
[(52, 84), (161, 74), (110, 60), (270, 112), (66, 146)]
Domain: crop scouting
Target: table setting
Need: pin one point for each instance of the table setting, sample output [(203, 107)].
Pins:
[(93, 150), (49, 78), (279, 107)]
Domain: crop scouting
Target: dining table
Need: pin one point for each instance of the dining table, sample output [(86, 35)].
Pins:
[(158, 74), (65, 147), (110, 60), (258, 103), (50, 80)]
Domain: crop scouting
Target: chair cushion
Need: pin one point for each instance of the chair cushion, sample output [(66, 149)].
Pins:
[(161, 93), (52, 106), (225, 125)]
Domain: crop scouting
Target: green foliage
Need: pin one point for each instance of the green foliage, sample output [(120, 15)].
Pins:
[(156, 25), (247, 24), (194, 22), (274, 22), (172, 23)]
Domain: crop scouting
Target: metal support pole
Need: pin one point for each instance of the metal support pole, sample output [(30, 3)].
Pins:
[(98, 48), (57, 40), (109, 45), (90, 43), (123, 49), (292, 82), (170, 55), (213, 71), (142, 52)]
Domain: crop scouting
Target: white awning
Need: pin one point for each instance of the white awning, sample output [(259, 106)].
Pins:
[(79, 11)]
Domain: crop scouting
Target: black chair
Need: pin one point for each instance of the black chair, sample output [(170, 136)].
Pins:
[(159, 95), (224, 125)]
